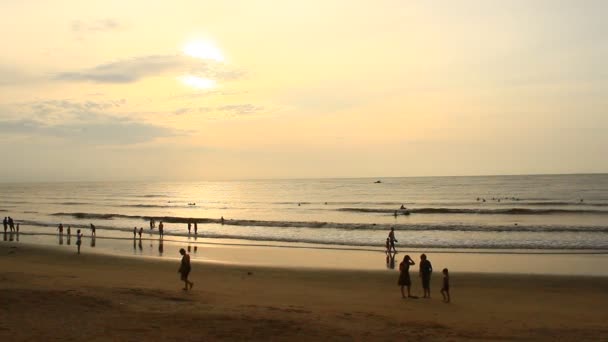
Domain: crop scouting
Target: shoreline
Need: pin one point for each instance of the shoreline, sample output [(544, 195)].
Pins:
[(124, 298), (242, 252)]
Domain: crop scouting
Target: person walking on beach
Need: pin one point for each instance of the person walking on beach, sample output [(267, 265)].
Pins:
[(92, 230), (445, 289), (78, 240), (404, 275), (141, 231), (189, 227), (161, 226), (184, 269), (161, 231), (392, 240), (195, 228), (134, 232), (5, 223), (60, 229), (11, 224), (69, 230), (425, 273), (151, 224)]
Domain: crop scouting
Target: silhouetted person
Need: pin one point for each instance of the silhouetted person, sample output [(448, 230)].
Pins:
[(425, 273), (134, 232), (5, 223), (69, 231), (445, 289), (404, 275), (151, 224), (184, 269), (60, 228), (78, 240), (195, 228), (161, 226), (92, 229), (11, 224), (222, 220), (189, 227), (161, 231), (392, 240), (141, 231)]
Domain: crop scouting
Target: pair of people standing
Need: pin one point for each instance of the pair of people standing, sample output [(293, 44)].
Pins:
[(9, 223), (426, 269)]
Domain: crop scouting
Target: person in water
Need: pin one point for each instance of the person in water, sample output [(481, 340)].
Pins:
[(404, 275), (184, 270), (392, 240), (445, 289), (92, 230), (425, 273), (134, 232)]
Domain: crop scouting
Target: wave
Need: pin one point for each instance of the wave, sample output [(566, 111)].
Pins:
[(73, 203), (505, 211), (345, 226)]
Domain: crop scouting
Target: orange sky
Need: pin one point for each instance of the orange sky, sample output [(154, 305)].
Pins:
[(263, 89)]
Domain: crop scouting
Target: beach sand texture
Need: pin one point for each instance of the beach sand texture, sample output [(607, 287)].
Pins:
[(54, 295)]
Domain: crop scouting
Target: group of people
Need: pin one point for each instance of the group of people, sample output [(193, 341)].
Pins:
[(9, 223), (425, 271), (79, 235)]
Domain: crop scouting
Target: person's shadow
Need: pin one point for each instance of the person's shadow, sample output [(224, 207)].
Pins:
[(390, 260), (93, 241)]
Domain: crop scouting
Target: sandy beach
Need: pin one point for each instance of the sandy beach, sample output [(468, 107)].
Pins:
[(51, 294)]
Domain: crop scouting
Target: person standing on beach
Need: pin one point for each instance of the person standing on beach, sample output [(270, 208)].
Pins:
[(5, 223), (11, 224), (425, 273), (93, 230), (69, 231), (141, 231), (161, 226), (392, 240), (60, 229), (222, 220), (195, 228), (189, 227), (78, 240), (134, 232), (445, 290), (404, 275), (184, 269), (161, 231)]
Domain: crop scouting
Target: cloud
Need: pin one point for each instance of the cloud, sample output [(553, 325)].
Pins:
[(232, 110), (110, 132), (240, 109), (102, 25), (135, 69)]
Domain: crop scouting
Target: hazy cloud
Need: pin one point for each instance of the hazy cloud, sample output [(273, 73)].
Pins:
[(111, 132), (135, 69), (101, 25), (231, 110)]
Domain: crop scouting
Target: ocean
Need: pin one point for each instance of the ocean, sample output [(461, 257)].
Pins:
[(489, 213)]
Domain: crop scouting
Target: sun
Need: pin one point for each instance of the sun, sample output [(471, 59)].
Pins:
[(203, 49), (198, 82)]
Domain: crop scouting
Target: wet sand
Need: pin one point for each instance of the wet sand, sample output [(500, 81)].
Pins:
[(54, 294)]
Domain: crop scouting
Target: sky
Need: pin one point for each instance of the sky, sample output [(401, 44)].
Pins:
[(196, 90)]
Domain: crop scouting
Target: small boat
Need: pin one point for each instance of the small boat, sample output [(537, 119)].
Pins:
[(378, 182)]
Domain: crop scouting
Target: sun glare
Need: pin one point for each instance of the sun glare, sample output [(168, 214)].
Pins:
[(204, 50), (198, 82)]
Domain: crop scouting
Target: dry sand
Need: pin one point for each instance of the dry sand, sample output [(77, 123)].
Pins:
[(54, 295)]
